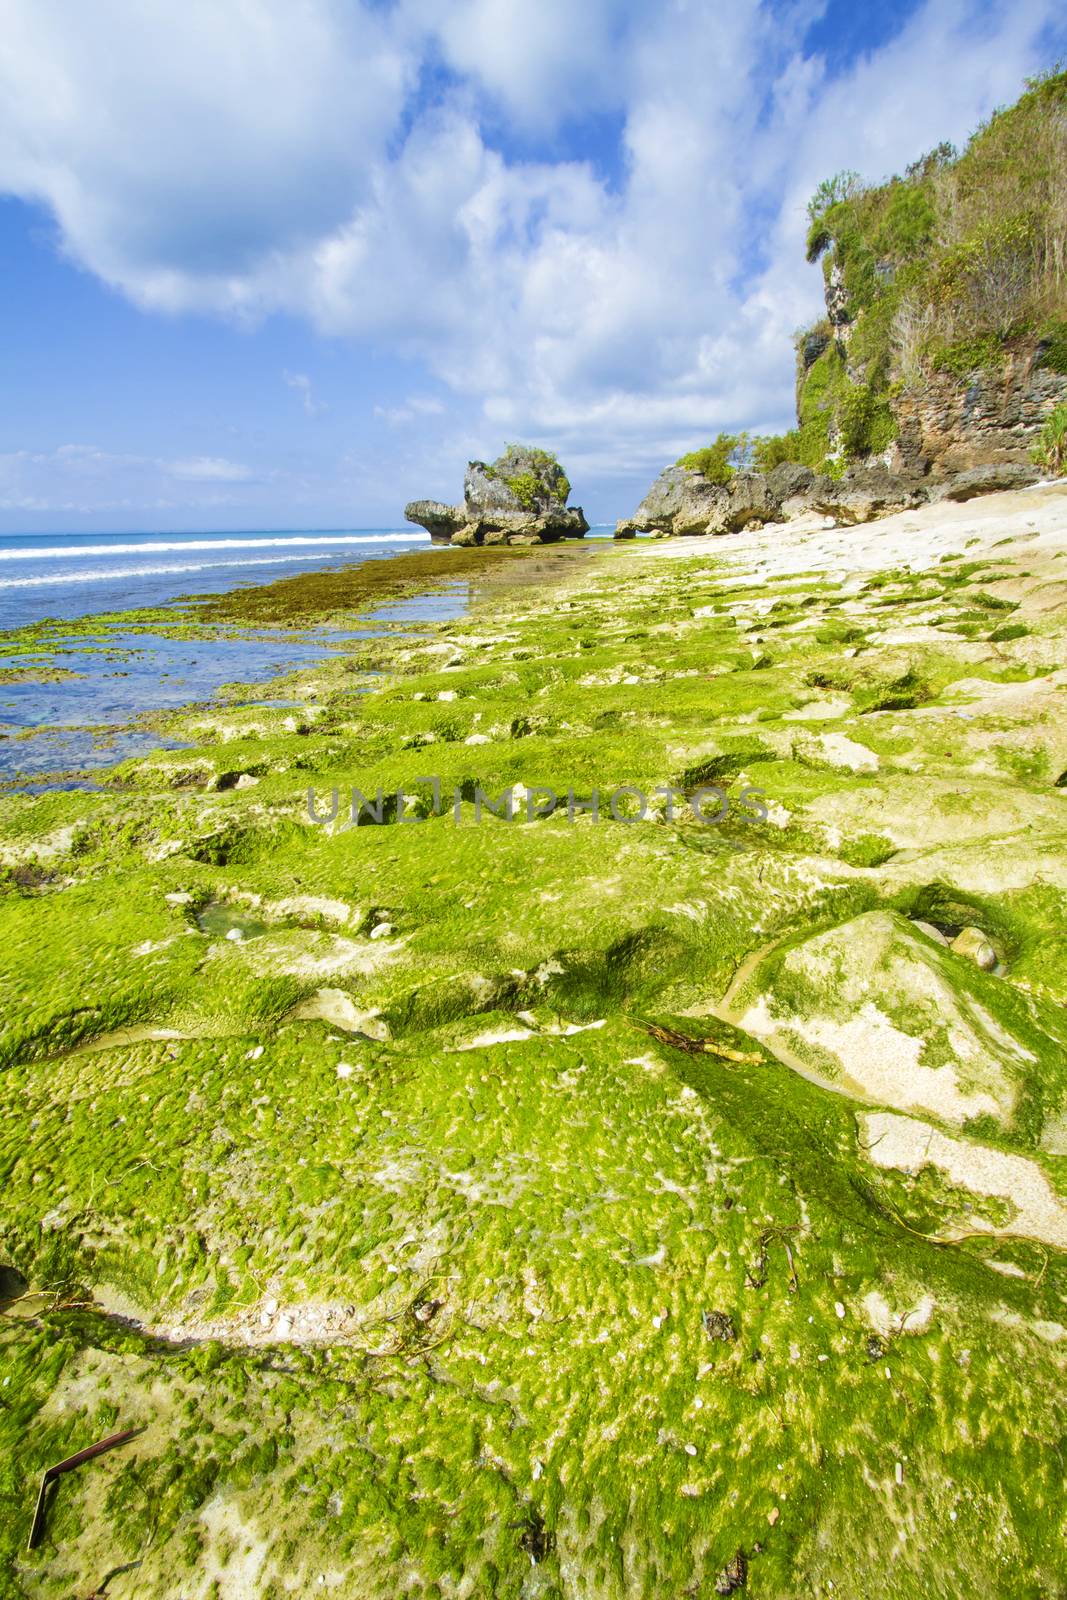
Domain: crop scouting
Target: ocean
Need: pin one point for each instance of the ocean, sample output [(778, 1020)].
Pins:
[(71, 575), (57, 730)]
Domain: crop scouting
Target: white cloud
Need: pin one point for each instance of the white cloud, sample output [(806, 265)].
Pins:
[(182, 147), (414, 409), (208, 469), (542, 62), (302, 384), (256, 156), (84, 478)]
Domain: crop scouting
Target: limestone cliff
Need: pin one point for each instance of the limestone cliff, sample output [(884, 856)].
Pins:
[(944, 346), (942, 357), (991, 417)]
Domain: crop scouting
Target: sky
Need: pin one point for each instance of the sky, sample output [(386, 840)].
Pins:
[(290, 263)]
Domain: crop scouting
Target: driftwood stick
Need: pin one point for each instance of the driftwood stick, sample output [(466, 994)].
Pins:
[(50, 1473)]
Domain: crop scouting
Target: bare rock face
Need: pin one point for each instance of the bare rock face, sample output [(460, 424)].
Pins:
[(947, 425), (837, 306), (485, 492), (521, 498), (679, 502), (789, 480), (866, 492), (439, 520), (986, 480), (752, 499), (683, 502)]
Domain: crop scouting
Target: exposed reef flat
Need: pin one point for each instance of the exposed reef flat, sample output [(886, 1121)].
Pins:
[(316, 596), (564, 1207)]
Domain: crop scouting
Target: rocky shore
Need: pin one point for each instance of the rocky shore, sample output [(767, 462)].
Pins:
[(458, 1204), (682, 501)]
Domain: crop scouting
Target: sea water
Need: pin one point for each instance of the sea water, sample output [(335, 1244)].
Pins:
[(72, 575), (76, 723)]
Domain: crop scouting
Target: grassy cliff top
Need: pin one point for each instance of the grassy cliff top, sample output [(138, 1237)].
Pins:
[(966, 248)]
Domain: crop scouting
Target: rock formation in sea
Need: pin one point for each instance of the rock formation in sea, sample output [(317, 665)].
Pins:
[(520, 498)]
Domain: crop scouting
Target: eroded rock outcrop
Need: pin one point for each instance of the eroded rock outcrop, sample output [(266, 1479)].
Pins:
[(991, 418), (439, 520), (919, 1041), (682, 501), (520, 498), (988, 479)]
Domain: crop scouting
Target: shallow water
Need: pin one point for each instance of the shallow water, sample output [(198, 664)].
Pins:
[(70, 751), (81, 723), (133, 673)]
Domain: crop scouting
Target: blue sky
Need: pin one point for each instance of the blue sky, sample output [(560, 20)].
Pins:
[(288, 263)]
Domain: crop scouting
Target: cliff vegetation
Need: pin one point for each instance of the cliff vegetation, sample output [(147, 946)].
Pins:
[(955, 268)]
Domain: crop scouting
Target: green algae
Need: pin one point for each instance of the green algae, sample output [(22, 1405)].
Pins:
[(568, 1264), (493, 1208), (320, 595)]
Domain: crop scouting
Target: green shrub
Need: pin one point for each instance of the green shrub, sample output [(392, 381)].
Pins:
[(830, 194), (775, 449), (866, 421), (527, 485), (714, 460), (984, 280), (817, 405), (1050, 450), (966, 355), (526, 488), (1053, 337), (548, 460), (908, 222)]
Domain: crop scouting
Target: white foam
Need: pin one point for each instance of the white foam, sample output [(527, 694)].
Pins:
[(154, 547), (140, 572)]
